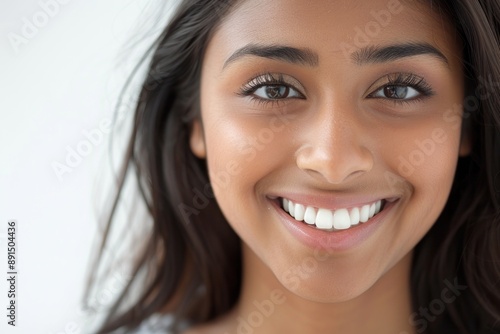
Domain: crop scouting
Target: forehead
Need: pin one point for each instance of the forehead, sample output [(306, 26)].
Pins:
[(334, 27)]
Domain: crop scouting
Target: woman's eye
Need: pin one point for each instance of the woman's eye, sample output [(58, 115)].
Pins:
[(276, 92), (396, 92)]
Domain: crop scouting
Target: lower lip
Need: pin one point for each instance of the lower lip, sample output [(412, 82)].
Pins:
[(336, 241)]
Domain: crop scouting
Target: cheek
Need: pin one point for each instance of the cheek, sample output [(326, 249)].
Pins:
[(426, 163), (231, 147), (239, 154), (225, 156)]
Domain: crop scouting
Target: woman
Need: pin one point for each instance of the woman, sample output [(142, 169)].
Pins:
[(320, 167)]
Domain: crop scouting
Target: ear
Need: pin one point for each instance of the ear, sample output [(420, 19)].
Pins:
[(465, 139), (197, 140)]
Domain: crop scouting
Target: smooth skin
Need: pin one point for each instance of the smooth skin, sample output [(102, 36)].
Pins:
[(331, 128)]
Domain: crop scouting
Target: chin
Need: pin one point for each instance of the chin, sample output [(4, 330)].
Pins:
[(327, 281), (328, 290)]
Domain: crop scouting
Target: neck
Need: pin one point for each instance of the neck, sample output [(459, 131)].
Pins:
[(265, 306)]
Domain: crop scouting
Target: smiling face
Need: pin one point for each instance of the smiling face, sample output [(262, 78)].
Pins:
[(347, 110)]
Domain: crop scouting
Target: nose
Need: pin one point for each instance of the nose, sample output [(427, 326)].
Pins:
[(332, 147)]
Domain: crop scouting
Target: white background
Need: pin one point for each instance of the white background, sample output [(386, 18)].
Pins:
[(61, 81)]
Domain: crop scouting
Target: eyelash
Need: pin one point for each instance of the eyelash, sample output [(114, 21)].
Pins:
[(395, 79), (405, 80), (267, 79)]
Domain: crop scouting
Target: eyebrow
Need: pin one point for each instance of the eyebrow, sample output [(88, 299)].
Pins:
[(301, 56), (377, 54), (366, 55)]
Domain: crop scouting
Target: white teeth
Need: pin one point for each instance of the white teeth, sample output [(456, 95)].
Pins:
[(372, 210), (341, 219), (299, 212), (354, 216), (291, 208), (364, 213), (285, 204), (310, 215), (326, 219)]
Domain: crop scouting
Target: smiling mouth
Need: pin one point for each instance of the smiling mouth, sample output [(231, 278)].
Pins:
[(332, 220)]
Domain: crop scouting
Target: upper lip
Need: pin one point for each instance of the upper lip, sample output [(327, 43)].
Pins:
[(333, 201)]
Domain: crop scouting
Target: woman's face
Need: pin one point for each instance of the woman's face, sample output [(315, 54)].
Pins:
[(351, 111)]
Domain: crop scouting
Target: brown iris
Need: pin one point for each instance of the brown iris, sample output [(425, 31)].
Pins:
[(396, 92), (277, 92)]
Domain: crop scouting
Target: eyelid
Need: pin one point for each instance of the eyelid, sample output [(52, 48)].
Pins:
[(402, 79), (269, 78)]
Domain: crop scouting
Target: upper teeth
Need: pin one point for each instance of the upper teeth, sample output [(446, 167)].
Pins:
[(327, 219)]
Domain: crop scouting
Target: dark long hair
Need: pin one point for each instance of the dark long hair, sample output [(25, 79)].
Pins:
[(192, 258)]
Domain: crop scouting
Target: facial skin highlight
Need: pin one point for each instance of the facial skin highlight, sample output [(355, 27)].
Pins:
[(292, 105)]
